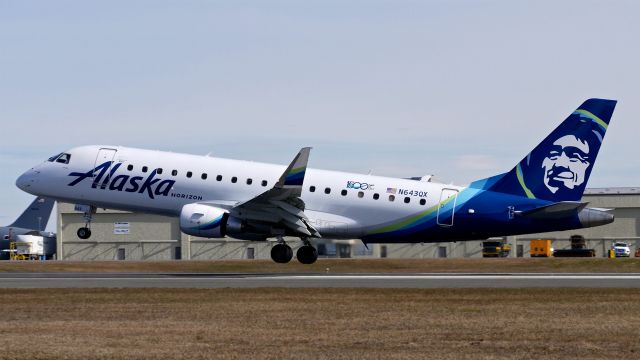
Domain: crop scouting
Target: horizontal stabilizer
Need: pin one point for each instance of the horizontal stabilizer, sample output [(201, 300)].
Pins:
[(557, 210)]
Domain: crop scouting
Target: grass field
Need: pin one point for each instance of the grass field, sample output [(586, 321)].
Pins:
[(507, 265), (320, 324)]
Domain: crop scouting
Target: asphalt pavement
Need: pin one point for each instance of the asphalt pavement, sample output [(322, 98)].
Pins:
[(242, 280)]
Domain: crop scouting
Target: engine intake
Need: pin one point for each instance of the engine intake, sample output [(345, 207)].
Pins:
[(207, 221)]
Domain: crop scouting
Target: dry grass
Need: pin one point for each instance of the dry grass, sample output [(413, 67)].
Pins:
[(320, 324), (519, 265)]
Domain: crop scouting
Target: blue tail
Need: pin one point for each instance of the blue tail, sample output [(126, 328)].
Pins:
[(559, 167)]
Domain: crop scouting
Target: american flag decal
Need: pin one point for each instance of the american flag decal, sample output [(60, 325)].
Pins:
[(391, 190)]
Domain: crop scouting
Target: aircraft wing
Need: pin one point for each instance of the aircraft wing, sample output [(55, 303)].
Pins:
[(282, 203)]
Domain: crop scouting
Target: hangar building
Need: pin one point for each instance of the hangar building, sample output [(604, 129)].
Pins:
[(121, 235)]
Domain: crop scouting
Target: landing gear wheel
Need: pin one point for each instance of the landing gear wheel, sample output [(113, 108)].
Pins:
[(281, 253), (307, 254), (84, 233)]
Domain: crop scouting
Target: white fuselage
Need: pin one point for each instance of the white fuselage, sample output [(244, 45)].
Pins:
[(350, 206)]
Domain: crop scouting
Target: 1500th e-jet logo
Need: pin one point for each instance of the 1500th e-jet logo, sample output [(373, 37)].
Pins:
[(132, 184)]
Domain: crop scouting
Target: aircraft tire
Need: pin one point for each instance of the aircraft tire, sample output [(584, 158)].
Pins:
[(84, 233), (307, 254), (281, 253)]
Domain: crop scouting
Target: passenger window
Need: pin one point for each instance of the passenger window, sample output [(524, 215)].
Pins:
[(234, 179), (312, 188), (392, 197), (343, 192), (144, 169), (327, 190), (264, 182), (159, 171), (423, 201), (407, 200), (249, 181), (130, 167), (376, 196), (204, 176), (174, 172), (189, 174), (360, 194), (219, 178)]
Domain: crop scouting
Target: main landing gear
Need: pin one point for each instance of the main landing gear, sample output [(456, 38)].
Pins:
[(85, 232), (282, 253)]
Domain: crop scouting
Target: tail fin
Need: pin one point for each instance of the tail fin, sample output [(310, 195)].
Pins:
[(559, 167), (36, 216)]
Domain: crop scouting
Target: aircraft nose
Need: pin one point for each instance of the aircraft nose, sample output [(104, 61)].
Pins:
[(26, 180)]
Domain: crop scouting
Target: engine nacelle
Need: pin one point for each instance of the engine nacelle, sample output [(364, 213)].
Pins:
[(207, 221)]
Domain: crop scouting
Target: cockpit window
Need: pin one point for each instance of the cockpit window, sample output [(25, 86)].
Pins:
[(54, 157), (63, 158)]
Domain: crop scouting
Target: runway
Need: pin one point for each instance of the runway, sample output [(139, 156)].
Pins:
[(246, 280)]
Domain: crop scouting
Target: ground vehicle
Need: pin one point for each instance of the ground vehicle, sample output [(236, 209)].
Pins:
[(31, 247), (495, 249), (578, 249), (540, 248), (621, 249)]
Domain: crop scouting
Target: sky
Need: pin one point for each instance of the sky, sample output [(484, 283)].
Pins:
[(459, 89)]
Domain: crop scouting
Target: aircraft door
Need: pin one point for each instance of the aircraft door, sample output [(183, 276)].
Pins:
[(103, 176), (447, 206)]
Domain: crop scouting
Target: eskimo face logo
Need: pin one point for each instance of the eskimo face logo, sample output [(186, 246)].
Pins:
[(566, 164)]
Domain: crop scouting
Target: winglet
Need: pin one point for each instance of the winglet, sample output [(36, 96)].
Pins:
[(294, 175)]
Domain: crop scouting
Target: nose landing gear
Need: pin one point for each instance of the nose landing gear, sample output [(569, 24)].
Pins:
[(85, 232)]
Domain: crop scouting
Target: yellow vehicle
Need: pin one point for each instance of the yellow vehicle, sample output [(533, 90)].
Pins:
[(495, 249), (540, 248)]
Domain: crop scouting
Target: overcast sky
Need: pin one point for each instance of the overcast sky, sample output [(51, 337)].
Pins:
[(459, 89)]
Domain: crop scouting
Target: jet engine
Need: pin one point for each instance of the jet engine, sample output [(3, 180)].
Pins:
[(208, 221)]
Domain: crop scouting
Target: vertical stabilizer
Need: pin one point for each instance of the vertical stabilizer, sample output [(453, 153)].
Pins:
[(36, 216), (559, 167)]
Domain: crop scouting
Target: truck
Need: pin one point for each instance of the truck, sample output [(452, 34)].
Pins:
[(578, 249), (31, 247), (495, 249)]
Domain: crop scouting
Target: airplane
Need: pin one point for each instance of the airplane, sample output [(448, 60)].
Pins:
[(216, 197), (32, 221)]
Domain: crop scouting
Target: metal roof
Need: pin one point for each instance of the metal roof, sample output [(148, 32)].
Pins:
[(613, 191)]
